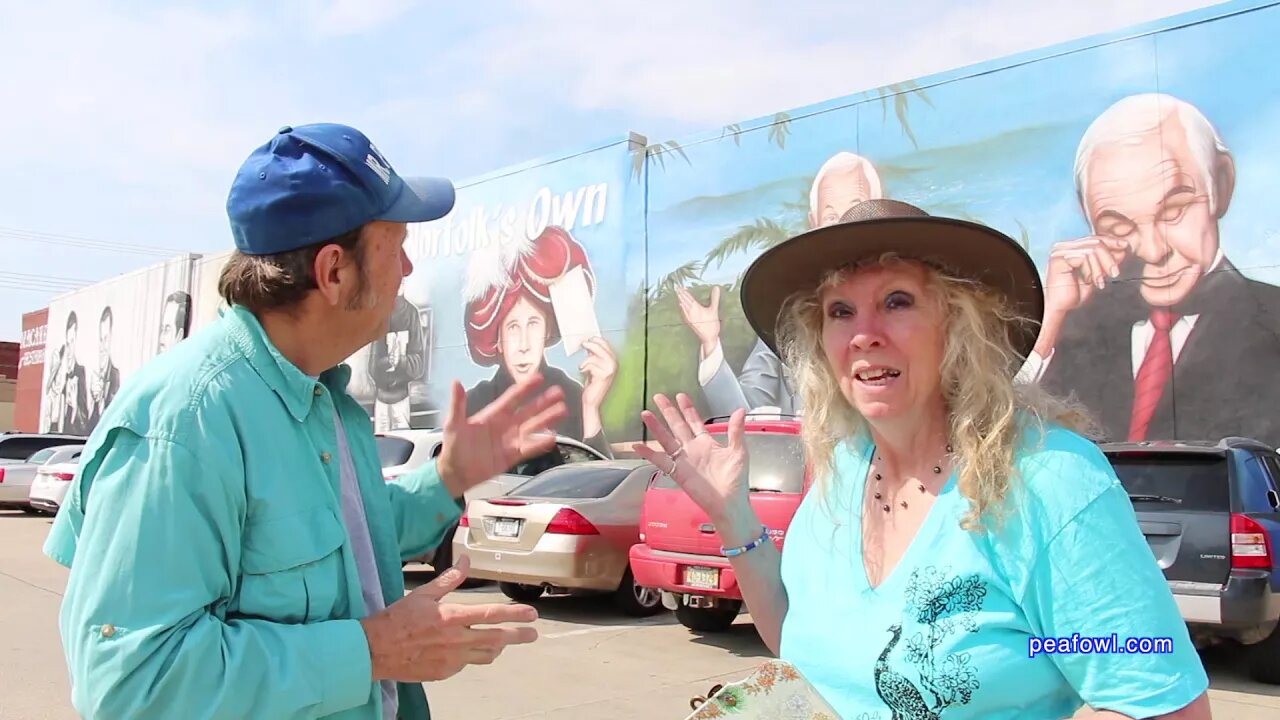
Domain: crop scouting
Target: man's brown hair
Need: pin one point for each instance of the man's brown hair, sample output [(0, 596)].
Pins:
[(280, 281)]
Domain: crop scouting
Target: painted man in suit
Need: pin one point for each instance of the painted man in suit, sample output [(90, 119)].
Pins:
[(397, 359), (106, 380), (1147, 321), (843, 181)]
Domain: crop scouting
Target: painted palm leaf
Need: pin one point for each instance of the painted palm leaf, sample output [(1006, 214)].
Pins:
[(780, 129), (679, 277), (762, 234)]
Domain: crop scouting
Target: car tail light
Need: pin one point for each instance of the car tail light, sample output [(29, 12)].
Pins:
[(569, 522), (506, 503), (65, 477), (463, 521), (1, 475), (1250, 545)]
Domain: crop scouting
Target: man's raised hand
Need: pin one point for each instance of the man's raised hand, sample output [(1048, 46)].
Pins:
[(508, 430)]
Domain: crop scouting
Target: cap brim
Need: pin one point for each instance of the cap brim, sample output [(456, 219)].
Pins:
[(421, 199), (968, 249)]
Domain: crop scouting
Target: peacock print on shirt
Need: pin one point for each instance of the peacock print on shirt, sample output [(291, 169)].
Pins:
[(942, 604)]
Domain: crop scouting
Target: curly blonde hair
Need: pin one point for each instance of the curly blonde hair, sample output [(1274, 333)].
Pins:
[(988, 410)]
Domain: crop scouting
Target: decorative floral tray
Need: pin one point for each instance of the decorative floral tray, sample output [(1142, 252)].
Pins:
[(776, 690)]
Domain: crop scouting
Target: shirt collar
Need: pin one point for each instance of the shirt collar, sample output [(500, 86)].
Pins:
[(296, 389), (1217, 260)]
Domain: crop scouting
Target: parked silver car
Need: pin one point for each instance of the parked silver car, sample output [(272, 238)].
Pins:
[(16, 478), (403, 450), (51, 482)]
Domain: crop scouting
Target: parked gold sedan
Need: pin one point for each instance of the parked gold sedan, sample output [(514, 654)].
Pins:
[(566, 530)]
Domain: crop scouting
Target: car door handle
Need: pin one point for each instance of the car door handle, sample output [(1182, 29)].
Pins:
[(707, 528)]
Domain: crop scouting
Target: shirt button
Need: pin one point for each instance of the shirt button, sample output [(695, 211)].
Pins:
[(318, 391), (108, 630), (325, 457)]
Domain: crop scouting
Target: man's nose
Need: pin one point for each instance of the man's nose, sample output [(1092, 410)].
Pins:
[(406, 265), (1151, 245)]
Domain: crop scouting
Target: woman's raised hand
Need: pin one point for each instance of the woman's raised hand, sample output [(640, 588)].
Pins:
[(709, 472)]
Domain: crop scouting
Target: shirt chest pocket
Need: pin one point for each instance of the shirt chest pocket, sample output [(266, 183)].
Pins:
[(292, 567)]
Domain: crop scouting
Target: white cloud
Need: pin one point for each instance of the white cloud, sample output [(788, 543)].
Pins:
[(353, 17), (709, 63)]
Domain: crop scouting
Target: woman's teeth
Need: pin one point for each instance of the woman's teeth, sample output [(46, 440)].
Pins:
[(877, 376)]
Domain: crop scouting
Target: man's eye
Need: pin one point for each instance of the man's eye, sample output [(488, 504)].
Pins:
[(1173, 212)]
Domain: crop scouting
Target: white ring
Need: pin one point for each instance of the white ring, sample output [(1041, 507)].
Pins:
[(676, 455)]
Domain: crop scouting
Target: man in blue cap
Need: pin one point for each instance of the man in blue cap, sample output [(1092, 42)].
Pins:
[(234, 550)]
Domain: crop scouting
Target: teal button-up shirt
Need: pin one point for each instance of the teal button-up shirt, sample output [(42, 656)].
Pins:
[(211, 573)]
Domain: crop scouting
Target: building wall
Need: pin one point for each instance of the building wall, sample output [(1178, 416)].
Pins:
[(616, 269), (8, 383), (30, 383)]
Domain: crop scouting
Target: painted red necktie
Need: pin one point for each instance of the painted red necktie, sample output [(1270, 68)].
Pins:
[(1153, 375)]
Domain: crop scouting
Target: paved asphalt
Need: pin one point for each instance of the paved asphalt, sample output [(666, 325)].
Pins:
[(590, 661)]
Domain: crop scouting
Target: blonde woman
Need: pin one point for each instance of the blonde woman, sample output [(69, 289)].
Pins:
[(961, 524)]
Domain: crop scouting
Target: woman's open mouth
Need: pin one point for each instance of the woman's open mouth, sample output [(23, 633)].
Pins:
[(876, 376)]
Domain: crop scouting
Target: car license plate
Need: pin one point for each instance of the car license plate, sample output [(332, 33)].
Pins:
[(506, 527), (702, 577)]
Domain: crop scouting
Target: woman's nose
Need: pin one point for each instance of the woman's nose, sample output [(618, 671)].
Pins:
[(866, 334)]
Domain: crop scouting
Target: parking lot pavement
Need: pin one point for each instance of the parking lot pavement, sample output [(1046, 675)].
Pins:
[(590, 661)]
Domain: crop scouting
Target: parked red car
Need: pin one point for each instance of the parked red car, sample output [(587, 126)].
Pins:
[(679, 550)]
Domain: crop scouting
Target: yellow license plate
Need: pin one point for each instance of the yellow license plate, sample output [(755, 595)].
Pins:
[(702, 577)]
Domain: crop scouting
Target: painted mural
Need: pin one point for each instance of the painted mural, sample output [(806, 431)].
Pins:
[(538, 269), (98, 336), (1137, 169), (1138, 174)]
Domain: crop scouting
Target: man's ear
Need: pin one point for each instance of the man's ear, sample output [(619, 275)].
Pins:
[(327, 268), (1224, 181)]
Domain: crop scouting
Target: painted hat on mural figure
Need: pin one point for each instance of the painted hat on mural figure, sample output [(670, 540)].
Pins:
[(527, 271), (875, 227), (312, 183)]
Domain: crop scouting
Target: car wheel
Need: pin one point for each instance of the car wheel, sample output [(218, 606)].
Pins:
[(1264, 659), (520, 593), (637, 600), (716, 619)]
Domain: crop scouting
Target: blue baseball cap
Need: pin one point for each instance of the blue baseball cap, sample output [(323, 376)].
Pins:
[(312, 183)]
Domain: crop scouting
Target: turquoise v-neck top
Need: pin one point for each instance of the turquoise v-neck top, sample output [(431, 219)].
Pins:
[(958, 628)]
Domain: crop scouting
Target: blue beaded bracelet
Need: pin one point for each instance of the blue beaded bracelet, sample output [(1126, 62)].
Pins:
[(734, 552)]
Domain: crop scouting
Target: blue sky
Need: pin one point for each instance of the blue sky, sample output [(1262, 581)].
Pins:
[(125, 121)]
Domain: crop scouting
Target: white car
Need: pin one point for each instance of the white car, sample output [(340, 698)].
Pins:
[(17, 478), (403, 450), (51, 483)]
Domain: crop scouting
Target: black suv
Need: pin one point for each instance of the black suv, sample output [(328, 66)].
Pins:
[(1211, 514)]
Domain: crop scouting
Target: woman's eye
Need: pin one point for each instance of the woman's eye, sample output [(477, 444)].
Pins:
[(839, 310), (899, 300)]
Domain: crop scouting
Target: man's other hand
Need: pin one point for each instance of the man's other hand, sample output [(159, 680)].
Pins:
[(422, 639)]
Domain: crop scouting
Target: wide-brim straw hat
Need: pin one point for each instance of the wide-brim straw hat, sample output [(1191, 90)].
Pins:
[(875, 227)]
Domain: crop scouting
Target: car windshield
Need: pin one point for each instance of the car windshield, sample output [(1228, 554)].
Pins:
[(573, 481), (393, 451), (41, 456), (775, 463), (1178, 480)]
